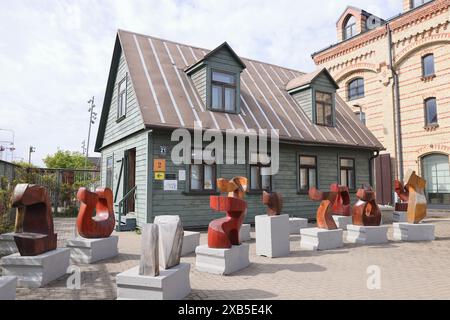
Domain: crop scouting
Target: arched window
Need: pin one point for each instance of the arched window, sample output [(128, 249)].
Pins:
[(431, 115), (436, 171), (428, 65), (355, 89), (350, 28)]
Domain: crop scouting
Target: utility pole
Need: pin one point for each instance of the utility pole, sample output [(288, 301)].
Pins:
[(92, 118), (31, 150), (83, 147)]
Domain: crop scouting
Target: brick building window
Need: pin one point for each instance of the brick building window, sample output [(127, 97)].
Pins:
[(428, 66), (355, 89), (431, 116), (350, 28), (418, 3)]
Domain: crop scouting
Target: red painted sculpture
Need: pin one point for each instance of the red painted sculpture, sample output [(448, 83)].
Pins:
[(274, 203), (224, 233), (102, 224), (34, 232), (341, 205), (403, 194), (366, 211), (325, 211)]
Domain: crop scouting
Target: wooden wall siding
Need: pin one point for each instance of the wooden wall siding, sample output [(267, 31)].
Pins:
[(322, 82), (195, 211), (133, 122), (117, 150), (199, 79), (223, 57), (304, 100)]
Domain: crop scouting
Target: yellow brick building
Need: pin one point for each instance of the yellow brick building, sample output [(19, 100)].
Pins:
[(396, 74)]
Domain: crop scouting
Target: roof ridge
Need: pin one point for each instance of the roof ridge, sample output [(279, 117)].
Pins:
[(199, 48)]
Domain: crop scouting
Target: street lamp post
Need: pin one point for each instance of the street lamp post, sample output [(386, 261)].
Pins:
[(30, 151), (92, 118)]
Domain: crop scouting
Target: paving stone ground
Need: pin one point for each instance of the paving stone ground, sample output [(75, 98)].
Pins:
[(408, 271)]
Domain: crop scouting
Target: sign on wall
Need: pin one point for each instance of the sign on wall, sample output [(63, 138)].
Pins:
[(159, 165), (170, 185), (182, 175), (160, 176)]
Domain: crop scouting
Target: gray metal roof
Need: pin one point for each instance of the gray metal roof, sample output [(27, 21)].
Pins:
[(167, 96)]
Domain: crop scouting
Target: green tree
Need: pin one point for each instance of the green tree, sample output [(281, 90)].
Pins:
[(66, 160)]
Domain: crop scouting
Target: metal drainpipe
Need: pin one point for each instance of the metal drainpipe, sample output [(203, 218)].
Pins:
[(399, 144), (371, 166)]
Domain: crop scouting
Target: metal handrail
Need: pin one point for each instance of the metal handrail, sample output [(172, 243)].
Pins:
[(121, 202)]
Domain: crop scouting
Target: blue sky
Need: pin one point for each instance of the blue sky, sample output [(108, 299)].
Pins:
[(55, 54)]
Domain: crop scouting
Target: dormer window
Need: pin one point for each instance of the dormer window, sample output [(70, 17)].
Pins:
[(223, 91), (350, 28), (324, 108)]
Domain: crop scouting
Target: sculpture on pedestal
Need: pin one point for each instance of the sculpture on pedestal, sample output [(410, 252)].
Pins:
[(102, 224), (417, 202), (274, 203), (161, 246), (224, 233), (34, 232), (403, 195), (325, 211), (341, 204), (366, 211)]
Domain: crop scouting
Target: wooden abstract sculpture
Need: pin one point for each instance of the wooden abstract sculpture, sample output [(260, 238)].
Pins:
[(149, 263), (403, 194), (102, 224), (274, 203), (417, 202), (341, 205), (224, 233), (34, 232), (366, 211), (324, 212), (170, 240)]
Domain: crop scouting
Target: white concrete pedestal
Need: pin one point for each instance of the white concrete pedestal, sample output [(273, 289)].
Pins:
[(8, 288), (244, 233), (367, 235), (83, 250), (387, 214), (342, 221), (37, 271), (414, 232), (272, 236), (171, 284), (295, 224), (7, 244), (321, 239), (222, 261), (400, 216), (191, 240)]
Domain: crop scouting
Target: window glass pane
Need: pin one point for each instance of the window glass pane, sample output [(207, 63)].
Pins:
[(230, 99), (431, 111), (312, 178), (303, 179), (209, 177), (254, 178), (344, 181), (223, 77), (216, 97), (319, 113), (347, 163), (196, 175), (351, 182), (265, 181), (328, 115), (308, 161), (324, 97), (428, 65)]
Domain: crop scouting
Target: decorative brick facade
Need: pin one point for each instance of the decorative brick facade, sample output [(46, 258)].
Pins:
[(415, 33)]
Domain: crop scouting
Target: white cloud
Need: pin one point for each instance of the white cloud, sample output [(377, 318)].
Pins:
[(55, 55)]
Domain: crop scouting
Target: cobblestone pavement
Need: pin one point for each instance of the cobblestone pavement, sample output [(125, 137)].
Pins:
[(408, 271)]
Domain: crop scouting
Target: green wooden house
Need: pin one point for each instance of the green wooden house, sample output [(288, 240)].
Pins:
[(156, 86)]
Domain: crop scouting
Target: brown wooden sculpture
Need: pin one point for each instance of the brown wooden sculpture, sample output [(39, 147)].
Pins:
[(274, 203), (224, 233), (324, 212), (417, 202), (366, 211), (102, 224), (34, 233), (341, 205), (403, 195)]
